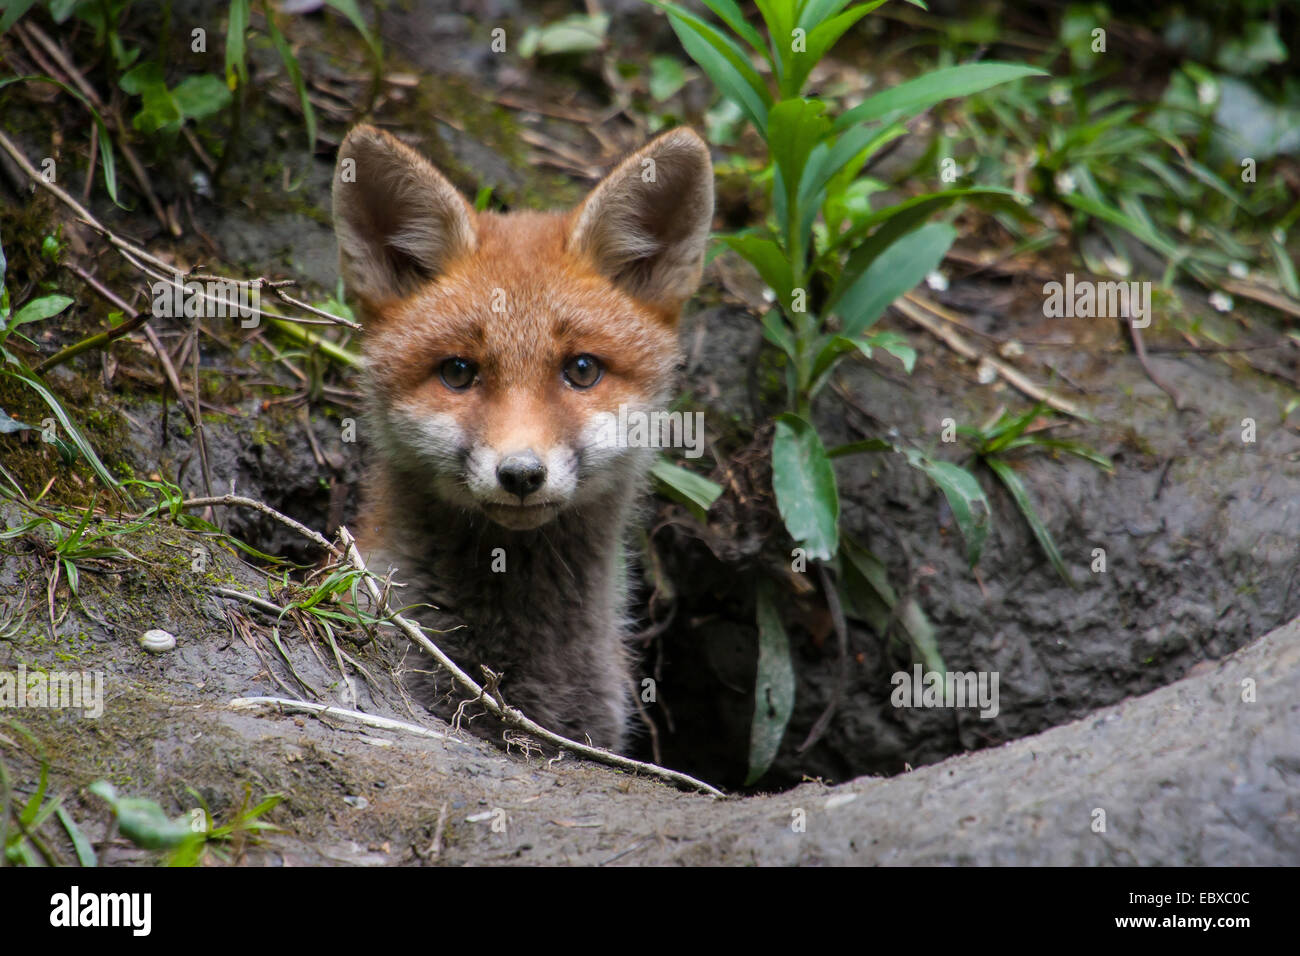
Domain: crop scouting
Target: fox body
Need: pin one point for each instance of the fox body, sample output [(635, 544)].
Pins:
[(497, 348)]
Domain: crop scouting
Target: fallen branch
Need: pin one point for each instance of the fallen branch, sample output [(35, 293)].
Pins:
[(916, 307), (1264, 295), (284, 705), (242, 502)]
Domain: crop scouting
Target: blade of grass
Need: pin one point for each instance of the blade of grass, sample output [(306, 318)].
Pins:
[(1020, 495)]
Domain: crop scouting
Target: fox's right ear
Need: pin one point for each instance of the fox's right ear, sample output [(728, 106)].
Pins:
[(398, 221)]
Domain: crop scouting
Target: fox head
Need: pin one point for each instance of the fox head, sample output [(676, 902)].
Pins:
[(499, 347)]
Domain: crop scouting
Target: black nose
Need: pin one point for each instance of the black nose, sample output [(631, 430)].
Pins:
[(521, 474)]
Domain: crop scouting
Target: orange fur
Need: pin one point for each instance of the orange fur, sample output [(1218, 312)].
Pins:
[(520, 296)]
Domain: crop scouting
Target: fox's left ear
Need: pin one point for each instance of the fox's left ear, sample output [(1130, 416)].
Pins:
[(646, 225)]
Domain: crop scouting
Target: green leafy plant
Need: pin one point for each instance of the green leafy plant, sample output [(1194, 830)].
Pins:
[(1009, 433), (832, 277), (186, 838), (20, 825), (11, 366), (833, 263), (578, 33), (694, 491), (164, 109), (1159, 175), (65, 548)]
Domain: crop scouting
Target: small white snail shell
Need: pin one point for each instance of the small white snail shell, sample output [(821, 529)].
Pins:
[(157, 641)]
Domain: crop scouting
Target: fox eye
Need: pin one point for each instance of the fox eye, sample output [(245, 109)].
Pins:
[(458, 373), (583, 371)]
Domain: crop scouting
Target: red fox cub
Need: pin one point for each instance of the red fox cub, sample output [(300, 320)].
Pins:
[(496, 349)]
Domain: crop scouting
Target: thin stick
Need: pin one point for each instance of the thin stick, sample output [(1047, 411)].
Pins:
[(252, 599), (435, 848), (199, 433), (1264, 295), (242, 502), (170, 371), (915, 308), (320, 710)]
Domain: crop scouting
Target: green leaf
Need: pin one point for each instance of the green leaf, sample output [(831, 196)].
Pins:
[(295, 76), (1286, 270), (60, 10), (1258, 46), (236, 52), (1007, 428), (769, 259), (774, 686), (817, 12), (730, 14), (834, 347), (914, 96), (804, 483), (837, 345), (28, 813), (864, 583), (845, 158), (1062, 445), (14, 9), (778, 333), (895, 271), (779, 16), (350, 10), (145, 824), (857, 447), (578, 33), (43, 308), (80, 845), (905, 215), (667, 76), (820, 39), (78, 439), (794, 128), (1108, 213), (965, 497), (695, 491), (1020, 495), (160, 109), (201, 96), (10, 425), (895, 343), (724, 61)]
